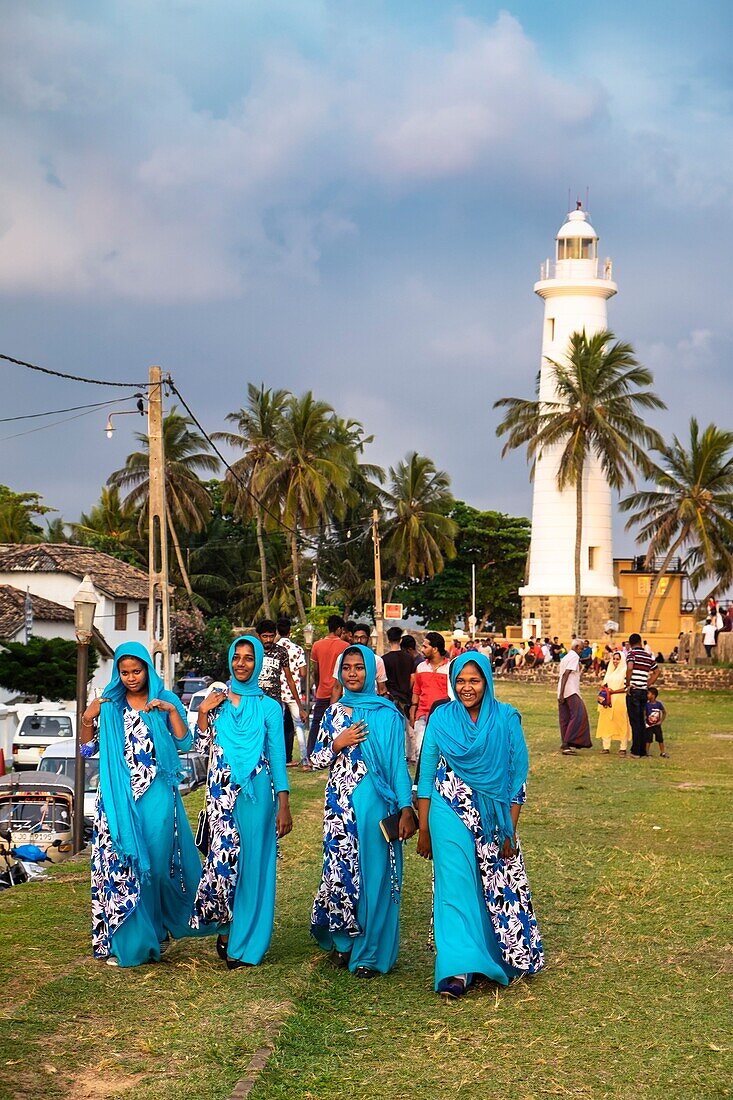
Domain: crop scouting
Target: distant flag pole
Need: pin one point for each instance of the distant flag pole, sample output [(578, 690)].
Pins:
[(28, 616)]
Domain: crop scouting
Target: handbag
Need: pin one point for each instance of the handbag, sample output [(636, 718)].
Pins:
[(202, 839), (604, 697), (390, 826)]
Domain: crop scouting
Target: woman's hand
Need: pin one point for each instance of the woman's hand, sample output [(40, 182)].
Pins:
[(213, 700), (509, 847), (283, 821), (93, 710), (354, 735), (425, 844), (407, 827), (159, 704)]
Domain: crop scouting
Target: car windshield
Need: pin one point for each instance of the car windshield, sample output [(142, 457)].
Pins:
[(35, 815), (188, 687), (64, 766), (45, 725)]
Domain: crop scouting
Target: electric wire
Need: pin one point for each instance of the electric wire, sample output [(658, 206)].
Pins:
[(235, 475), (45, 427), (141, 385), (72, 377), (57, 412)]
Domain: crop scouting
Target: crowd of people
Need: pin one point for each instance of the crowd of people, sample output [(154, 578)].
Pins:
[(372, 719)]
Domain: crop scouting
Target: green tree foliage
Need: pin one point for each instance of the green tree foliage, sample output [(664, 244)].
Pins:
[(691, 508), (112, 527), (418, 531), (17, 512), (594, 409), (497, 545), (187, 456), (46, 667), (204, 649)]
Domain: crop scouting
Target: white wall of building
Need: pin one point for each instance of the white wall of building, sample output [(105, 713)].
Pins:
[(61, 588)]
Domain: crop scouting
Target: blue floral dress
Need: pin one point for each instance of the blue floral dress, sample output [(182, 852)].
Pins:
[(131, 918), (236, 894), (484, 918), (357, 906)]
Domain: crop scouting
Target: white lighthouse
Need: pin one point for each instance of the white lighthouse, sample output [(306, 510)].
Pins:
[(575, 294)]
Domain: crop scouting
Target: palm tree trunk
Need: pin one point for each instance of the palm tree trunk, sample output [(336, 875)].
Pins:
[(263, 567), (296, 578), (184, 574), (578, 548), (658, 579)]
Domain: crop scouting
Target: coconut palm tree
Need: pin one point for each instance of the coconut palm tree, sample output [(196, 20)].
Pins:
[(110, 526), (690, 509), (257, 430), (418, 532), (596, 412), (188, 503), (309, 475)]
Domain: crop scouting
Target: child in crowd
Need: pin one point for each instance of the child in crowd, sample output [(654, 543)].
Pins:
[(655, 716)]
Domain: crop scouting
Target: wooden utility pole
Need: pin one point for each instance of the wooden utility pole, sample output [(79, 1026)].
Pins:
[(378, 608), (158, 625), (314, 587)]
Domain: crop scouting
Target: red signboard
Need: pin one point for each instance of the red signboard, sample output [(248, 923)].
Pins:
[(393, 610)]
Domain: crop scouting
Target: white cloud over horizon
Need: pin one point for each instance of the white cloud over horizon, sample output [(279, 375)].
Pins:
[(352, 201)]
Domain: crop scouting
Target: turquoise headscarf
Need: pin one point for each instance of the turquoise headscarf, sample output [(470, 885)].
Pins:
[(114, 774), (381, 716), (490, 755), (240, 730)]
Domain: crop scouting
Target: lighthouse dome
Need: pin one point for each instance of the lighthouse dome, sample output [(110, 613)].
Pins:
[(577, 239), (577, 224)]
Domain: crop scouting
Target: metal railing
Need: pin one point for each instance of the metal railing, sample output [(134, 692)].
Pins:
[(548, 269)]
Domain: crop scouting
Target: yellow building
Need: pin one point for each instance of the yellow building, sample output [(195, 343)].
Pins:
[(670, 613)]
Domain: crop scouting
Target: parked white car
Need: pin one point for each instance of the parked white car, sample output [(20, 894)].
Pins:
[(40, 726), (197, 699), (60, 759)]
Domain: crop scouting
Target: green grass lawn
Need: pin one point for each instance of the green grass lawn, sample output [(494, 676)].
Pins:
[(631, 871)]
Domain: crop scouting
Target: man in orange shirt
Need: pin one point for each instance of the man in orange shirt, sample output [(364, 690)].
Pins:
[(430, 683), (324, 655)]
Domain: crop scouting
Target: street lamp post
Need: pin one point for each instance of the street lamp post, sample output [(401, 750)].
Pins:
[(85, 602), (308, 632)]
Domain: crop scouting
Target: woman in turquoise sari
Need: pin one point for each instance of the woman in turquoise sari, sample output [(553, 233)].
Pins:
[(247, 808), (145, 867), (356, 912), (473, 771)]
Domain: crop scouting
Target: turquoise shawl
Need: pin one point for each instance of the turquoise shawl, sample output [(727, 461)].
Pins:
[(241, 730), (382, 717), (490, 755), (114, 774)]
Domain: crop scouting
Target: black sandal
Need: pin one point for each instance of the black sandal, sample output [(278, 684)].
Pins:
[(235, 964)]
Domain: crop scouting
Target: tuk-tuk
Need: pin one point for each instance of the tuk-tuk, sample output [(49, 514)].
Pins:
[(37, 808)]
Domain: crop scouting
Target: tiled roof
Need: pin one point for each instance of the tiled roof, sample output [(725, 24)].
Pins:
[(110, 575), (12, 614), (12, 610)]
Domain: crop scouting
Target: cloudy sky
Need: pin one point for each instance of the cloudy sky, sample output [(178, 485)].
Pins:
[(352, 198)]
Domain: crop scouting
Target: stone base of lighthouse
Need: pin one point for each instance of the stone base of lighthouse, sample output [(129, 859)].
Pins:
[(556, 615)]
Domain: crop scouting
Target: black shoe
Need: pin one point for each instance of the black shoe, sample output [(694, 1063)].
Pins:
[(221, 947), (340, 958), (365, 972), (451, 989), (235, 964)]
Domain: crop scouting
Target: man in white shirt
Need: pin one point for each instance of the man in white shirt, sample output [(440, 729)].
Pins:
[(574, 724), (292, 713), (709, 636)]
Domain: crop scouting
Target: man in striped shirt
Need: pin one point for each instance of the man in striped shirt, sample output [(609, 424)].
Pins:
[(641, 673)]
